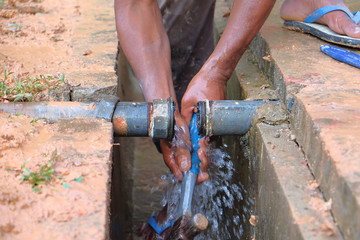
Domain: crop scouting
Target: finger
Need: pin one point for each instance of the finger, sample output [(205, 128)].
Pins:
[(182, 132), (204, 142), (169, 159), (204, 159), (202, 177), (183, 158), (350, 28)]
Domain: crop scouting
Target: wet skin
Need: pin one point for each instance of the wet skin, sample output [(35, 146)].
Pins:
[(144, 41)]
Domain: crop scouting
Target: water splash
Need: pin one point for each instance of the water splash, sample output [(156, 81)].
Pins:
[(223, 201)]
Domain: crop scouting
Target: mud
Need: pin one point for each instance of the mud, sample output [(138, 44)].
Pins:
[(74, 203)]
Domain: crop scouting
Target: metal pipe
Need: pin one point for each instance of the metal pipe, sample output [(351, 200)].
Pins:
[(226, 117), (145, 119), (58, 110), (131, 119)]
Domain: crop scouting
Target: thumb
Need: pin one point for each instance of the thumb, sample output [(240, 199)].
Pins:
[(187, 113)]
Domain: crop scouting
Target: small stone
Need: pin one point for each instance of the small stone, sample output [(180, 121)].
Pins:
[(313, 186), (267, 58), (8, 13), (272, 146), (327, 205), (292, 137), (265, 86), (328, 229), (277, 134), (87, 52), (226, 14), (56, 38), (253, 220)]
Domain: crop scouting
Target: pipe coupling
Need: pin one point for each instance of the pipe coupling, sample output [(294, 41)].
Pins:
[(162, 119), (141, 119)]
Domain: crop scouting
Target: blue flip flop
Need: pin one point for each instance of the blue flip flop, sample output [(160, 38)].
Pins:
[(324, 32)]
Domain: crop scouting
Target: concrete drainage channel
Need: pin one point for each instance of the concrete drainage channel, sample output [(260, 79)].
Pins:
[(285, 199), (267, 160)]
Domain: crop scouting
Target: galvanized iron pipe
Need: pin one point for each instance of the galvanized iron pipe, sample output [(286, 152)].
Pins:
[(59, 110), (131, 119), (225, 117), (145, 119)]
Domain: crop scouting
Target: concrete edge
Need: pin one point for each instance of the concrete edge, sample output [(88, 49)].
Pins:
[(284, 211), (332, 185), (288, 204)]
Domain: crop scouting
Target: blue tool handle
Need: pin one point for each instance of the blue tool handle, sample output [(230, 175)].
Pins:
[(342, 55), (195, 138)]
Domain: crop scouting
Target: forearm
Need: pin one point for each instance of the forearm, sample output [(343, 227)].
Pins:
[(145, 43), (246, 19)]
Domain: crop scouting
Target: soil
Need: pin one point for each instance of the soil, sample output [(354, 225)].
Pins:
[(36, 36), (75, 197), (41, 37), (36, 39)]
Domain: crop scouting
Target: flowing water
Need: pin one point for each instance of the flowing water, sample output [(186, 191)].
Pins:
[(222, 199)]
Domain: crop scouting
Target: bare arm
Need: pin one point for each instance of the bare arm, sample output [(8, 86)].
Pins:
[(145, 43), (246, 19)]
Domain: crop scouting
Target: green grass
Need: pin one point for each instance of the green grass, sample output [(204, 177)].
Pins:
[(34, 120), (28, 89), (42, 176)]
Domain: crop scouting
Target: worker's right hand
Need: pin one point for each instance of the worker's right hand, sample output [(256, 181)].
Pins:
[(204, 86)]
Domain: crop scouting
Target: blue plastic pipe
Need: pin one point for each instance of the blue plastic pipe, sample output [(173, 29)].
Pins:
[(189, 178)]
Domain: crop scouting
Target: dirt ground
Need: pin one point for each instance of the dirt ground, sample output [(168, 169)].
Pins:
[(41, 38), (67, 198), (36, 36), (53, 183)]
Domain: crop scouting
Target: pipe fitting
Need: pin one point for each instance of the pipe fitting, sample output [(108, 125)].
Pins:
[(141, 119), (225, 117), (162, 119)]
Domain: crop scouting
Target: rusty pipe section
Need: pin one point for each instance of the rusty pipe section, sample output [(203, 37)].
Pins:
[(131, 119), (145, 119), (225, 117)]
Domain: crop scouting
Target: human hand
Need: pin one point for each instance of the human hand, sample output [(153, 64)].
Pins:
[(177, 155), (200, 88)]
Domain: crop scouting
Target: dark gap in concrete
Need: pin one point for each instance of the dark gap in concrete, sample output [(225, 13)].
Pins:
[(120, 210)]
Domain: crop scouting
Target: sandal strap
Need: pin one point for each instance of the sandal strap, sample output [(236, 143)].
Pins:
[(322, 11)]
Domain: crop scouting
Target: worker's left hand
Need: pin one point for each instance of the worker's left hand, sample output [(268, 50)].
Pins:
[(177, 156), (203, 86)]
